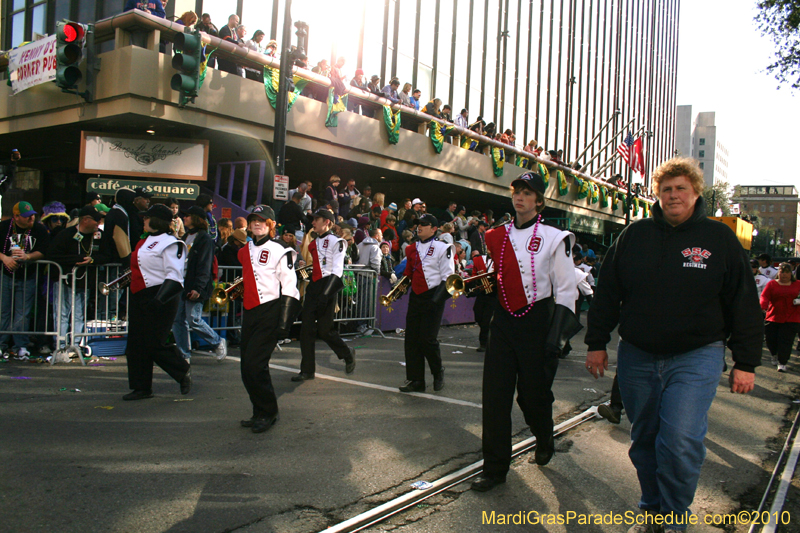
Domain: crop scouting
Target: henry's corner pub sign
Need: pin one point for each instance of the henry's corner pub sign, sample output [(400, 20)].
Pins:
[(179, 191), (144, 156)]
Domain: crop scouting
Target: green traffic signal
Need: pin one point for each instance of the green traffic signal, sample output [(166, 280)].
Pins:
[(69, 51), (188, 47)]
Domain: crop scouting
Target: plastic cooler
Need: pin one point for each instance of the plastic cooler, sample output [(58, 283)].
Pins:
[(108, 344)]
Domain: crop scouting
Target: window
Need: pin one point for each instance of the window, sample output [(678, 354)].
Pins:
[(702, 153), (702, 142), (27, 17), (783, 208), (783, 221), (772, 208), (702, 165), (763, 208), (771, 221)]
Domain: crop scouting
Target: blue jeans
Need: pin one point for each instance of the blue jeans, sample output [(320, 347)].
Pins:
[(667, 402), (17, 298), (189, 318), (66, 310)]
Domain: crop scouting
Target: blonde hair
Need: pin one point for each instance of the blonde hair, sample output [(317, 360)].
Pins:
[(675, 167), (378, 199)]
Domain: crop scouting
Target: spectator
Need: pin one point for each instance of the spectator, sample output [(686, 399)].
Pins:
[(207, 26), (405, 96), (447, 113), (315, 91), (369, 253), (782, 316), (25, 242), (407, 237), (346, 196), (225, 228), (197, 286), (338, 77), (352, 251), (231, 33), (272, 48), (154, 7), (390, 234), (366, 194), (177, 223), (432, 108), (506, 137), (447, 233), (331, 192), (449, 214), (254, 43), (73, 248), (141, 202), (402, 211), (227, 255), (115, 244), (461, 119), (240, 223), (188, 19), (478, 238), (374, 85), (461, 223), (415, 96), (358, 82), (305, 201), (54, 217), (387, 263), (760, 279), (292, 217), (205, 202), (228, 31), (390, 91)]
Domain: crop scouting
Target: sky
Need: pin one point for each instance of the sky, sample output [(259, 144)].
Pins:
[(722, 60)]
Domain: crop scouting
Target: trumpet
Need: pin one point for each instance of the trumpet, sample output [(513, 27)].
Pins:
[(120, 283), (398, 291), (485, 282), (304, 273), (221, 296)]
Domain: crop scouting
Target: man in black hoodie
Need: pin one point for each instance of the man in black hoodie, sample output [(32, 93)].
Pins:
[(679, 286)]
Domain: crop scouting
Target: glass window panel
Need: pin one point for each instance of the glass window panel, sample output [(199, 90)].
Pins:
[(17, 29), (426, 37), (86, 11), (373, 38), (491, 61), (443, 87), (220, 10), (407, 28), (474, 102), (459, 90), (257, 15), (109, 8), (424, 78), (405, 70), (19, 4), (39, 19)]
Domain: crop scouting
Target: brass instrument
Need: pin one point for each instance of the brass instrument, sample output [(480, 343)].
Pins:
[(121, 282), (221, 296), (304, 273), (398, 291), (485, 282)]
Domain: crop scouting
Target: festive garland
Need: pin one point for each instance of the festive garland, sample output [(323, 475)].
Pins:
[(271, 78), (603, 196), (336, 104), (635, 206), (438, 132), (498, 160), (563, 184), (392, 121), (545, 174), (595, 195), (523, 162)]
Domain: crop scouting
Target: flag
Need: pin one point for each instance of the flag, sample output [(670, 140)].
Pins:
[(624, 149), (637, 156)]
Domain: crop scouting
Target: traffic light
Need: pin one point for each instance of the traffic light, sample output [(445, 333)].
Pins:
[(70, 37), (188, 47)]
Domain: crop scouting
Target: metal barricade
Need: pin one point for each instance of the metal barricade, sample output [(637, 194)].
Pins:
[(97, 322), (28, 298)]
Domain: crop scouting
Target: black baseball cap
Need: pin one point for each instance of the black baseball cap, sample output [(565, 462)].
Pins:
[(533, 180), (765, 257), (325, 213), (158, 211), (428, 220), (754, 263), (483, 223), (92, 196), (89, 211), (264, 212), (141, 192), (194, 210)]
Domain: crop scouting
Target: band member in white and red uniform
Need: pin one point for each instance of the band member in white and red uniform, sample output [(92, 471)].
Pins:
[(484, 303), (428, 264), (319, 306), (536, 289), (271, 302), (157, 268)]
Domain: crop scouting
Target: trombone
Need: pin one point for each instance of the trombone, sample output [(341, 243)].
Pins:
[(121, 282), (221, 296), (398, 291), (485, 282)]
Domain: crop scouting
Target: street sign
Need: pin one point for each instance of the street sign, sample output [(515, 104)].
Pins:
[(179, 191), (280, 190), (735, 209)]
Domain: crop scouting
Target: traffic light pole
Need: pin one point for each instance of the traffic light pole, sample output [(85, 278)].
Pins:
[(282, 101), (628, 201)]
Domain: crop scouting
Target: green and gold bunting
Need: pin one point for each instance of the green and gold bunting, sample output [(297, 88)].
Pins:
[(595, 196), (498, 160), (271, 76), (583, 188), (645, 209), (523, 162), (603, 196), (635, 206), (614, 200), (204, 67), (563, 184), (545, 174), (468, 143), (336, 104), (622, 196), (438, 132), (392, 121)]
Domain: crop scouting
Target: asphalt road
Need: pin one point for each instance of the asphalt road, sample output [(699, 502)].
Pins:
[(87, 461)]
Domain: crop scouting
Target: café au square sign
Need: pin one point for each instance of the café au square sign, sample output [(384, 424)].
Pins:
[(146, 156)]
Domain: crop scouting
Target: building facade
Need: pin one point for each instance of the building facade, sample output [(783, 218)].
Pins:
[(777, 210), (697, 137), (550, 70)]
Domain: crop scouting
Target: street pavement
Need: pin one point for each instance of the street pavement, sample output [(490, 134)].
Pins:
[(87, 461)]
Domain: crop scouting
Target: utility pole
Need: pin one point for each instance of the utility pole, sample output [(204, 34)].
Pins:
[(282, 101)]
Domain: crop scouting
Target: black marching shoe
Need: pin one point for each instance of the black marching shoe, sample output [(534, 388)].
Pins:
[(248, 423), (612, 413), (438, 380), (350, 362), (302, 376), (544, 451), (413, 386), (260, 425), (138, 395), (481, 348), (486, 483), (186, 382)]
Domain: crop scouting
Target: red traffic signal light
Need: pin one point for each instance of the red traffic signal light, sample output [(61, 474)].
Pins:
[(72, 32)]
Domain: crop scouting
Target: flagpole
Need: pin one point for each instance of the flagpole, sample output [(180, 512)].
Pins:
[(611, 141), (628, 202), (614, 157), (607, 124)]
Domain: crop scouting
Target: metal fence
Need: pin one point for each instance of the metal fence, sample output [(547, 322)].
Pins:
[(67, 313)]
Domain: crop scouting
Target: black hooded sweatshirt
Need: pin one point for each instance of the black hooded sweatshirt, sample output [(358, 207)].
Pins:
[(676, 289)]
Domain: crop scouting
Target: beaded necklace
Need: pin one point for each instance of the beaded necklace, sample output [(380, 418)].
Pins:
[(7, 244), (533, 269)]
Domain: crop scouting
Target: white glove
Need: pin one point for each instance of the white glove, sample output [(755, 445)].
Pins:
[(393, 278)]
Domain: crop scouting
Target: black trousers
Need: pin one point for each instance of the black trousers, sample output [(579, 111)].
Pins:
[(318, 321), (780, 338), (422, 329), (483, 310), (149, 326), (258, 343), (516, 359)]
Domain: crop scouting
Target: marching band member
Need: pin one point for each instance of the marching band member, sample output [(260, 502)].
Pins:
[(537, 291), (484, 303), (327, 252), (428, 264), (271, 303), (157, 266)]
